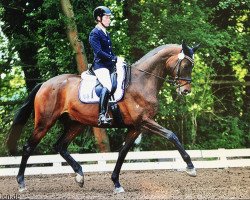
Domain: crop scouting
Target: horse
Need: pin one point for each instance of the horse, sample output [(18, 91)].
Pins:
[(57, 98)]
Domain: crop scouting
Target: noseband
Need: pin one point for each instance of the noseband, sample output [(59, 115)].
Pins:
[(175, 81)]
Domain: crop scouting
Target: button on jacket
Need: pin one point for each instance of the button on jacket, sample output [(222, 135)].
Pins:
[(102, 46)]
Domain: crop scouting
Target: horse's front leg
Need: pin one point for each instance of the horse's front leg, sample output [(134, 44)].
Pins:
[(129, 141), (152, 126)]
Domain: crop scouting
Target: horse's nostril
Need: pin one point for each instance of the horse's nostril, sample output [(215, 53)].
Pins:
[(186, 91)]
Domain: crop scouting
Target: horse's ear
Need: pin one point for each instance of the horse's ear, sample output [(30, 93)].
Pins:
[(196, 47), (185, 48)]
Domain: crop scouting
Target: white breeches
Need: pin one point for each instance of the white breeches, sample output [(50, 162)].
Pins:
[(104, 77)]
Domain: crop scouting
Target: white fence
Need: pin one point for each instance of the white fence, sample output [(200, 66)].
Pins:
[(144, 160)]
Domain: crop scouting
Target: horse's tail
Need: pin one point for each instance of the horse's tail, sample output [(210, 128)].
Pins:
[(20, 120)]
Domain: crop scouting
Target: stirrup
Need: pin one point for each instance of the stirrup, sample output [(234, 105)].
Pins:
[(104, 120)]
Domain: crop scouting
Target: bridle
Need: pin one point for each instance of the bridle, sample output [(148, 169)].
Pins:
[(177, 78), (181, 57)]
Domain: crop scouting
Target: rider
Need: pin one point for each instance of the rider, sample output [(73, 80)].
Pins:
[(104, 59)]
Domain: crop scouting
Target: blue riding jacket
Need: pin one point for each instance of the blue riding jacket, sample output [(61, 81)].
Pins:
[(102, 47)]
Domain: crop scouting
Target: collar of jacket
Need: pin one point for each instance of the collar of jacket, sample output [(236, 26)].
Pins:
[(102, 29)]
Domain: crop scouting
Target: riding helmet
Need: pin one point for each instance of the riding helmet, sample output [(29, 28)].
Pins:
[(101, 11)]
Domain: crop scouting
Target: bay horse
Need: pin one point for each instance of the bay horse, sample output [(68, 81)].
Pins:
[(58, 97)]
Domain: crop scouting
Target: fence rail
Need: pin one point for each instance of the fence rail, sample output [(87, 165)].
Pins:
[(142, 160)]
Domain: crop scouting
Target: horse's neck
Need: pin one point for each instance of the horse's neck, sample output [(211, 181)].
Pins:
[(148, 74), (159, 56)]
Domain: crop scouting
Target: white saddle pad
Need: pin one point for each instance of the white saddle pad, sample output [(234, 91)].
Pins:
[(87, 92)]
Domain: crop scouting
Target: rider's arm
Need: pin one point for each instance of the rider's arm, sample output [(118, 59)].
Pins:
[(96, 45)]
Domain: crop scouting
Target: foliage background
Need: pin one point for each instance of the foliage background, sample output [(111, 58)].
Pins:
[(34, 47)]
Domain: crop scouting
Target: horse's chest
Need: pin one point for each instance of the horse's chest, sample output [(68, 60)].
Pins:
[(146, 107)]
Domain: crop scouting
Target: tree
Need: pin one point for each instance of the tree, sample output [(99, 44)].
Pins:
[(72, 33), (133, 20), (22, 38), (82, 65)]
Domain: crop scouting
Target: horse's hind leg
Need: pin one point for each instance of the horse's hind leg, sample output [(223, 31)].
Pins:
[(71, 130), (129, 141), (38, 133)]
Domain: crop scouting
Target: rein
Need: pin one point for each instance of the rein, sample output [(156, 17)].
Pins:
[(146, 72), (177, 78)]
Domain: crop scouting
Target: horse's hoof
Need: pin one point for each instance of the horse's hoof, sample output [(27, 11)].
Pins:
[(79, 180), (21, 186), (191, 172), (22, 189), (119, 190)]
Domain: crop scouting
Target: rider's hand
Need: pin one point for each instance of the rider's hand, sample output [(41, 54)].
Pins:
[(114, 59)]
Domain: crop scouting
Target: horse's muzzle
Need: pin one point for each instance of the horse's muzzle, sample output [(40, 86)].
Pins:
[(183, 90)]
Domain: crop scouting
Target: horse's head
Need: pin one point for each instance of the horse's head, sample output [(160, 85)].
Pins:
[(181, 66)]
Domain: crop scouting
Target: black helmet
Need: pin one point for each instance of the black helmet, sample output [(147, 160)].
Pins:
[(101, 11)]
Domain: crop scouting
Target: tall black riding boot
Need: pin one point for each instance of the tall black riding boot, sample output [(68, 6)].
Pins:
[(103, 105)]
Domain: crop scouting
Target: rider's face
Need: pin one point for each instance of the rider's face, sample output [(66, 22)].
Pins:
[(106, 19)]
